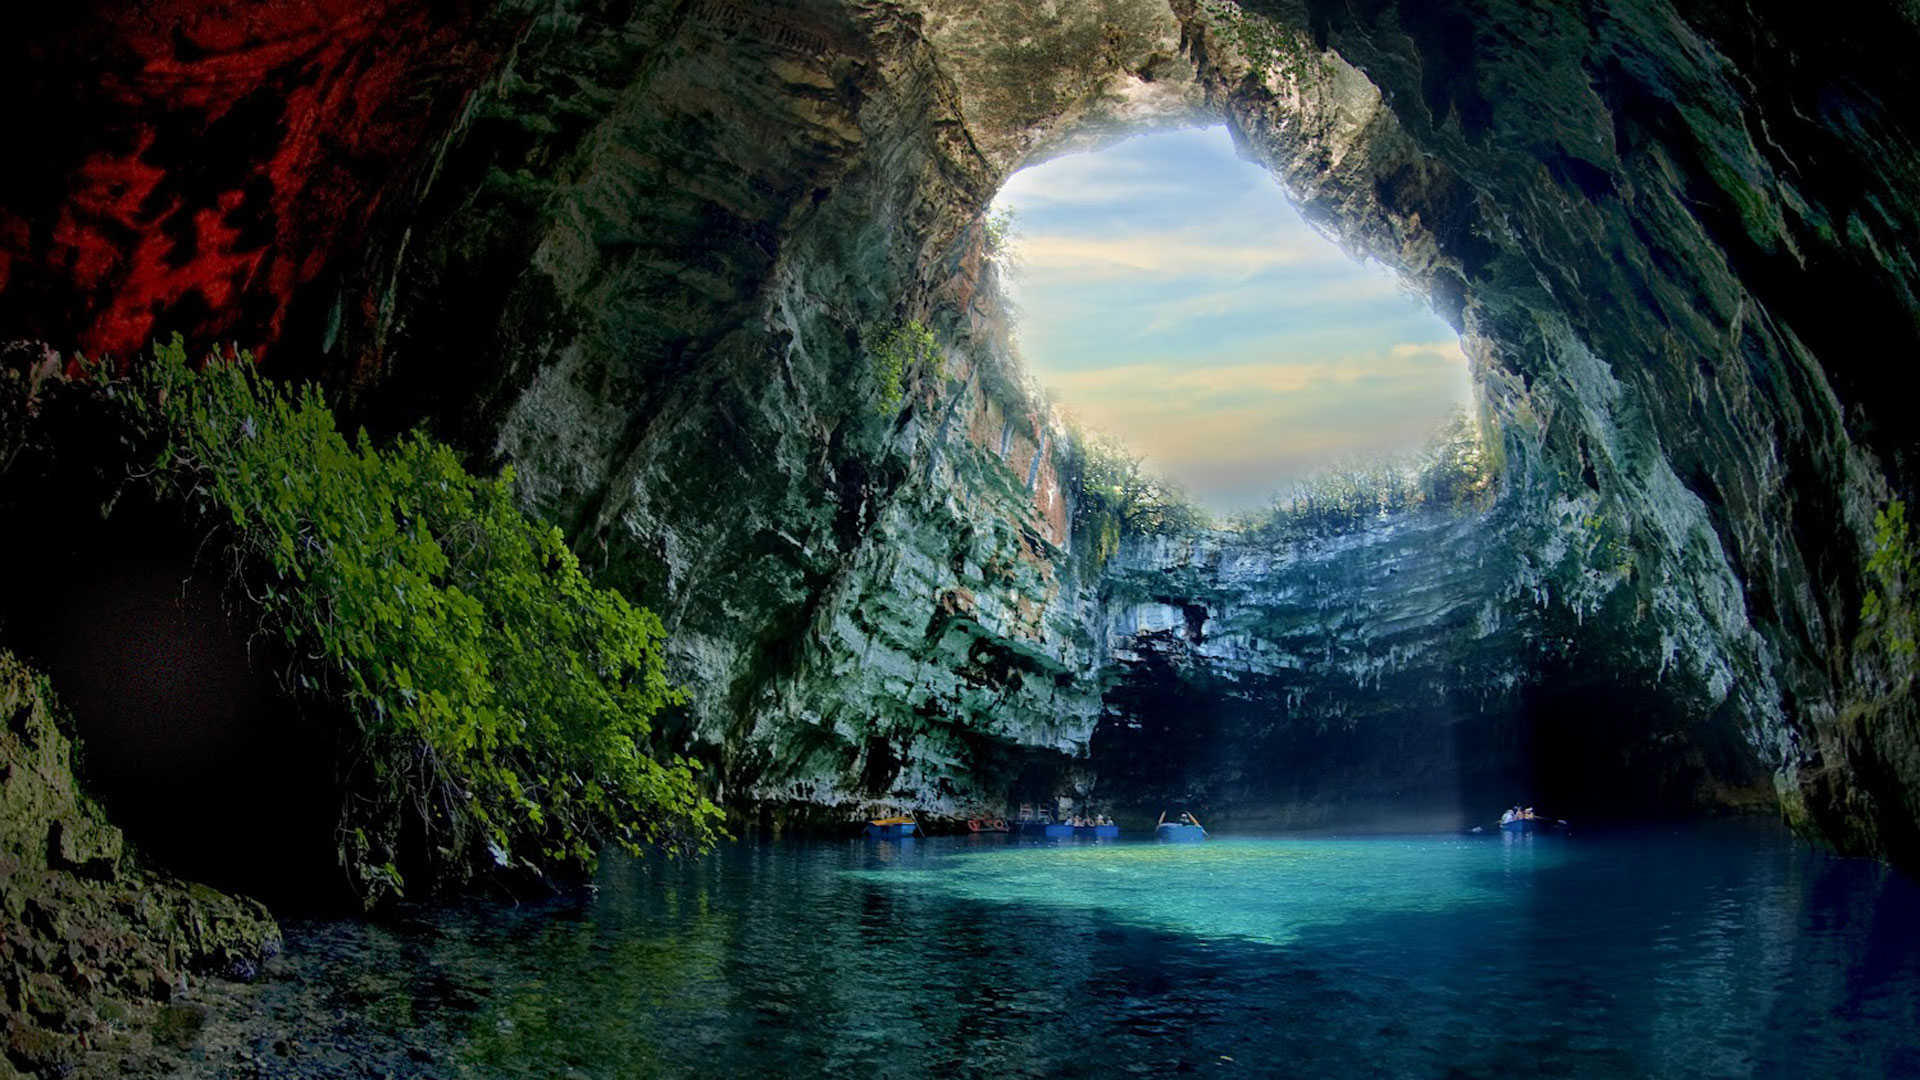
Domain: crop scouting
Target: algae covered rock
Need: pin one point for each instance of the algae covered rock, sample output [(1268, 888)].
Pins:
[(91, 943)]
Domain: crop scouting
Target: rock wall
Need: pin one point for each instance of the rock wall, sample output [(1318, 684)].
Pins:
[(869, 597), (1413, 672), (642, 251)]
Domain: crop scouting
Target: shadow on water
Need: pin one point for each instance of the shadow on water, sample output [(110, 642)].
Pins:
[(1695, 952)]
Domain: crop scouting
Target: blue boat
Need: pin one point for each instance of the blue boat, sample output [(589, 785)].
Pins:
[(894, 828), (1180, 834), (1040, 826), (1103, 832)]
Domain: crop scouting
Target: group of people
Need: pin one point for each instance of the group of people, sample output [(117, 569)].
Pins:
[(1518, 814), (1087, 821)]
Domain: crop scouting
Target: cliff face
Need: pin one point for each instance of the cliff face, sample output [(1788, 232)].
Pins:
[(1410, 673), (867, 595), (643, 252)]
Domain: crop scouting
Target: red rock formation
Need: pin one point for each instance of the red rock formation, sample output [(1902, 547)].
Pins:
[(197, 164)]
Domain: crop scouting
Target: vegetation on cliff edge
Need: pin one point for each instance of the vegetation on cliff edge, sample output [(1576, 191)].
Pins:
[(1887, 611), (896, 354), (1454, 471), (1115, 495), (503, 702)]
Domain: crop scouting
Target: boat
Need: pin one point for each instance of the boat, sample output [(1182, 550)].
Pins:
[(1530, 824), (1040, 827), (1101, 832), (891, 828), (1179, 833)]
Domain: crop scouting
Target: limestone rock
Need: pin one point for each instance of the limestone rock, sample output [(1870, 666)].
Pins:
[(90, 939)]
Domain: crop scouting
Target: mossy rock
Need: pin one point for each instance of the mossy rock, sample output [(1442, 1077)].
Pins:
[(92, 942)]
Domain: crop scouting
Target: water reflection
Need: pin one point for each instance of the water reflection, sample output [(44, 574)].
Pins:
[(1698, 953)]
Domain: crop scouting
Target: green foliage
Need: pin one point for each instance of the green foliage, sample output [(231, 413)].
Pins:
[(1887, 612), (899, 352), (1115, 496), (1003, 228), (1454, 471), (503, 702)]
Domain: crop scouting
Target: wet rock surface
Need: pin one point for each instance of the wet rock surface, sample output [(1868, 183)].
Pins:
[(101, 959)]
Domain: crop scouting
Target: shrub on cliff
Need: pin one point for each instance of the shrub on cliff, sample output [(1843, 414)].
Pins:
[(503, 703), (1887, 614), (897, 353), (1115, 495)]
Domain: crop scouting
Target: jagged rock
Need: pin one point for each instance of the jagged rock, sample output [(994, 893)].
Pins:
[(91, 940)]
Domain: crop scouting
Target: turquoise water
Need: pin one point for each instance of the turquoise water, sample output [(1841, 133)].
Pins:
[(1723, 951)]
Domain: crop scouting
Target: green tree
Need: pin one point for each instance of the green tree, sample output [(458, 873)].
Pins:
[(503, 704)]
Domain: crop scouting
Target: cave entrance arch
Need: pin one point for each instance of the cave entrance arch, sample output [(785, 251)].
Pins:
[(1169, 295), (1439, 695), (1659, 259)]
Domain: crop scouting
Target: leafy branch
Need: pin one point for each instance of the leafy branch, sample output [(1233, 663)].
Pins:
[(503, 703)]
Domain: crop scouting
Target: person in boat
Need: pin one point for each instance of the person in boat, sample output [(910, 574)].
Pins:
[(1527, 814), (1509, 815)]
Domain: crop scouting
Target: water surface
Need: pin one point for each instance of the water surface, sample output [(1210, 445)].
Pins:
[(1715, 951)]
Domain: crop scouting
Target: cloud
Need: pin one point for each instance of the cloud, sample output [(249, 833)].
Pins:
[(1057, 257), (1443, 350), (1315, 304), (1173, 385), (1134, 171)]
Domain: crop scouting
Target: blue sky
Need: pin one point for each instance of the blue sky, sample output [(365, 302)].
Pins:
[(1171, 296)]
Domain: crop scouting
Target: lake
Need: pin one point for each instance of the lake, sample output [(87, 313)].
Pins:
[(1711, 950)]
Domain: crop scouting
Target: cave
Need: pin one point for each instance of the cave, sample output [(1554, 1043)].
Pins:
[(651, 256), (647, 322), (657, 302)]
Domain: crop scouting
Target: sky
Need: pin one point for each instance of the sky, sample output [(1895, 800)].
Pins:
[(1172, 297)]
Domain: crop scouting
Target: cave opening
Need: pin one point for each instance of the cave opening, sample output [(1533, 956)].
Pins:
[(1172, 296)]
